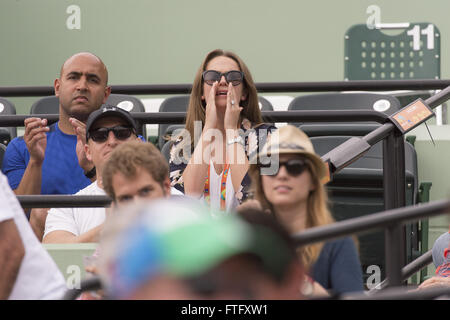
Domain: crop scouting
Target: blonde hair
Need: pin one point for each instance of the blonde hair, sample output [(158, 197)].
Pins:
[(318, 213), (196, 108)]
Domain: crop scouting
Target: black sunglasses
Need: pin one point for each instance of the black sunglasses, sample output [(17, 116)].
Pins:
[(294, 167), (101, 134), (235, 77)]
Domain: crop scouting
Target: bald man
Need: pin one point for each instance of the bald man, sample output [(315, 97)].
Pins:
[(44, 160), (51, 159)]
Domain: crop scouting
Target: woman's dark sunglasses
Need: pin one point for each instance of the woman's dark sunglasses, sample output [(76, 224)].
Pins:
[(294, 167), (234, 77), (120, 132)]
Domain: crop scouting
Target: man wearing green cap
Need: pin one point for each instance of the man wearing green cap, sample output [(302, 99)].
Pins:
[(175, 249)]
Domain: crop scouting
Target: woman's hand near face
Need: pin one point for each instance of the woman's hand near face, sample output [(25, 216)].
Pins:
[(233, 111), (211, 112)]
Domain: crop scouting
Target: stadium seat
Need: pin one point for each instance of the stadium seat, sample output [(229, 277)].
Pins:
[(178, 103), (7, 133), (130, 104), (265, 104), (397, 51), (45, 105), (2, 153), (165, 150), (357, 190), (344, 101), (50, 105)]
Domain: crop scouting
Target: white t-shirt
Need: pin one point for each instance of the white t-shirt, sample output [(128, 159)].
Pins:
[(175, 192), (39, 276), (215, 180), (79, 220), (76, 220)]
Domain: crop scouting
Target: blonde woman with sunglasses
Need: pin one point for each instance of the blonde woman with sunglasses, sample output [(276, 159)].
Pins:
[(290, 187), (209, 159)]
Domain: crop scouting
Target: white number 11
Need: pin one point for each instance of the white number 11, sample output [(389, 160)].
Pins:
[(415, 33)]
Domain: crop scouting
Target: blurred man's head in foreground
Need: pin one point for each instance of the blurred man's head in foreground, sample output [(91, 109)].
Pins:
[(177, 249)]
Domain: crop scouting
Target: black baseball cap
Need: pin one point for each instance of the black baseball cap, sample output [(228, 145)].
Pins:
[(109, 111)]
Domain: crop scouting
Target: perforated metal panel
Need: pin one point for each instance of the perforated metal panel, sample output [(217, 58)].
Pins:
[(371, 54)]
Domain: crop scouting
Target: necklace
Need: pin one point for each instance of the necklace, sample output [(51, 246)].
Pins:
[(223, 187)]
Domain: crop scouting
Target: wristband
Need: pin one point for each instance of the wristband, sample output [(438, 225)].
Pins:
[(237, 139)]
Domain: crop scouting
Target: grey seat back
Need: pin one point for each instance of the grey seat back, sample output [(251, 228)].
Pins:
[(178, 103), (45, 105), (386, 104), (50, 105), (130, 104), (265, 104), (7, 133), (2, 153), (358, 190), (165, 150)]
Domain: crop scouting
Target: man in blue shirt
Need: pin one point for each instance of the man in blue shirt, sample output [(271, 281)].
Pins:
[(51, 159), (46, 160)]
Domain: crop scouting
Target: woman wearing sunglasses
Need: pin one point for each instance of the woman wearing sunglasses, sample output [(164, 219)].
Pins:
[(290, 187), (209, 160)]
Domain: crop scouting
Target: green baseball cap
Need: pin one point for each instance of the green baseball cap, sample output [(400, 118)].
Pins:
[(184, 239)]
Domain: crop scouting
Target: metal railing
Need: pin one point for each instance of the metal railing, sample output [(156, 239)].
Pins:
[(393, 164), (412, 268), (355, 226), (401, 294), (340, 157), (270, 116), (323, 86), (388, 220)]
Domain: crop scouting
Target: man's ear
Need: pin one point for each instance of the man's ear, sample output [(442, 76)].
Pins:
[(166, 186), (87, 151), (56, 85), (107, 93)]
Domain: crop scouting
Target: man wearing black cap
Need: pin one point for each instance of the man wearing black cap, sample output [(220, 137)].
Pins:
[(106, 128)]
